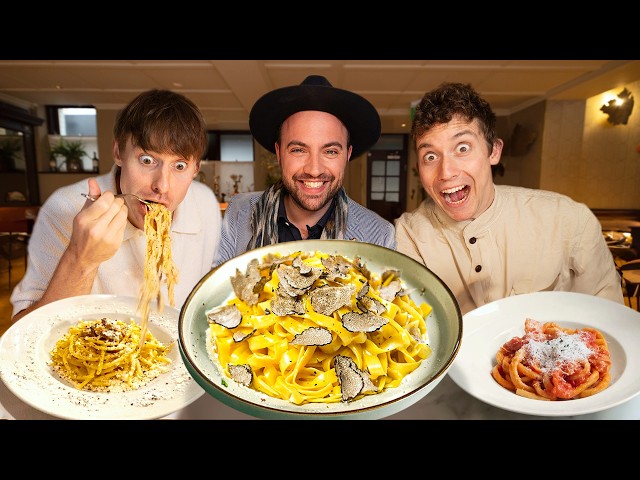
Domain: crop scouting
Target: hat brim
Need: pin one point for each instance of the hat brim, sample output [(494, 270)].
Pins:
[(357, 113)]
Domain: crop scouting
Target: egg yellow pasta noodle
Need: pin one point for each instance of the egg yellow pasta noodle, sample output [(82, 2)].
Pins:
[(293, 345), (105, 355), (550, 362), (159, 266)]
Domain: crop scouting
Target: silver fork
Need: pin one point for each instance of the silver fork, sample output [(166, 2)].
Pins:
[(93, 198)]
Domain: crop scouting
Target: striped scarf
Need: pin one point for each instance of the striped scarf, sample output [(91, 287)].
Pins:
[(264, 218)]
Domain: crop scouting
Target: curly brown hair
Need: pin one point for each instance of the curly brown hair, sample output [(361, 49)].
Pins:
[(438, 106), (162, 121)]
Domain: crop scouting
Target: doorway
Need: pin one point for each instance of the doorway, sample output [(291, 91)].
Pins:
[(387, 176)]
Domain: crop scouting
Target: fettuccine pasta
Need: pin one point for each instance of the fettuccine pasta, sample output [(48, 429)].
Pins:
[(553, 363), (105, 355), (159, 266), (314, 327)]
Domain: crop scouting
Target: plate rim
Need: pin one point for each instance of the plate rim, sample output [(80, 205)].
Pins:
[(546, 302), (62, 406)]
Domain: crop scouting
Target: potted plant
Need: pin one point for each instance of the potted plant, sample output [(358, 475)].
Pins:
[(8, 149), (72, 151)]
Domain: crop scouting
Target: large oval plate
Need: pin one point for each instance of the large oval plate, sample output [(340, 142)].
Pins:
[(487, 328), (25, 363), (444, 329)]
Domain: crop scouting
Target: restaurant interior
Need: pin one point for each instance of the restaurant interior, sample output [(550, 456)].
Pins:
[(569, 126)]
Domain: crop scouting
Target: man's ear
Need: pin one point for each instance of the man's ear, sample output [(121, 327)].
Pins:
[(116, 153), (277, 148), (496, 153)]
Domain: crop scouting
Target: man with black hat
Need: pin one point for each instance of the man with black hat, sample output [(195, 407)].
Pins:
[(314, 129)]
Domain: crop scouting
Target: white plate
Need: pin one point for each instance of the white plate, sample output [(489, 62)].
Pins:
[(487, 328), (25, 363)]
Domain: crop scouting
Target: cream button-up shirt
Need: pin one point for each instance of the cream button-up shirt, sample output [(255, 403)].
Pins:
[(527, 241)]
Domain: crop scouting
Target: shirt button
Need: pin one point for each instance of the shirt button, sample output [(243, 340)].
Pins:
[(472, 240), (478, 268)]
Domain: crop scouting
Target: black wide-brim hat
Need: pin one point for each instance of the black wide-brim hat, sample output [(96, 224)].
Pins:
[(315, 93)]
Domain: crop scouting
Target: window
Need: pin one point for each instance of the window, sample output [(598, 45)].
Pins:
[(71, 121), (229, 146), (77, 122), (73, 124)]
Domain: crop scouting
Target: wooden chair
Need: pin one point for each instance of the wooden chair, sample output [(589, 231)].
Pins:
[(16, 224), (630, 278)]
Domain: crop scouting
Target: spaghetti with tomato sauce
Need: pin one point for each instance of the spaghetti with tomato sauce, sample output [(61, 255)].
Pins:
[(553, 363)]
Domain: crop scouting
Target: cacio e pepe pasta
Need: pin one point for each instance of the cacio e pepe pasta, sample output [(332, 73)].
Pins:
[(159, 266)]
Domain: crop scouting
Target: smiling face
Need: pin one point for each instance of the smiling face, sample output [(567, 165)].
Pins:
[(313, 154), (159, 177), (454, 162)]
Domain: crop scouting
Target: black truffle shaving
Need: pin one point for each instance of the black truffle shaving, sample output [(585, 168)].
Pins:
[(389, 292), (362, 267), (293, 282), (336, 266), (353, 381), (371, 305), (300, 265), (241, 374), (363, 322), (283, 305), (240, 336), (363, 291), (247, 286), (326, 299), (313, 336), (228, 316)]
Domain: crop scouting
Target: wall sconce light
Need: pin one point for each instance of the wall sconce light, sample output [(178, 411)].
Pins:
[(619, 109)]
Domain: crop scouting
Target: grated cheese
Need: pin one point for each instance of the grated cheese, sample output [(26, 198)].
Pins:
[(550, 355)]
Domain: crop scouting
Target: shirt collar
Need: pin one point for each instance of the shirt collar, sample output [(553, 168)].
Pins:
[(282, 215)]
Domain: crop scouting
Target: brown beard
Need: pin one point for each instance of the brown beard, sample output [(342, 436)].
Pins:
[(312, 204)]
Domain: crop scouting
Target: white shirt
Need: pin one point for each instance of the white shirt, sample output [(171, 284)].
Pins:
[(527, 241), (195, 234)]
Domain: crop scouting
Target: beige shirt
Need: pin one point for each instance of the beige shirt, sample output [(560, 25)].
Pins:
[(527, 241)]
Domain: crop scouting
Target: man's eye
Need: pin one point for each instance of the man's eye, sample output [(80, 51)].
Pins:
[(146, 159), (463, 148), (429, 157), (181, 166)]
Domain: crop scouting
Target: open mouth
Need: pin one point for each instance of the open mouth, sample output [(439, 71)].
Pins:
[(456, 195)]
